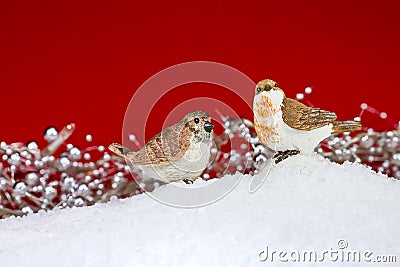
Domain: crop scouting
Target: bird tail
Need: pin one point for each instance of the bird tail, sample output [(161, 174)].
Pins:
[(118, 149), (346, 126)]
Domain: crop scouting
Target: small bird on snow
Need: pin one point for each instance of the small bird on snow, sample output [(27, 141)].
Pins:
[(179, 152), (290, 127)]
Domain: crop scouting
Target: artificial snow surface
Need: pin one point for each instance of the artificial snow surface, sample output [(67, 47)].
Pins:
[(306, 203)]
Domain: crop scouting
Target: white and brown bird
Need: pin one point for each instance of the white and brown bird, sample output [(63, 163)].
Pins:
[(290, 127), (179, 152)]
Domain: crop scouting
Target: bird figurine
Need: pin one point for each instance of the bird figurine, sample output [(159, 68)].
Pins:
[(179, 153), (290, 127)]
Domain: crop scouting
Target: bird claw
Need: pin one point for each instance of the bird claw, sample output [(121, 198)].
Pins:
[(279, 154), (282, 155), (187, 181)]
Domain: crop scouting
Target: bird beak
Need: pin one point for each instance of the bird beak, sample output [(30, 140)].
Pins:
[(208, 126)]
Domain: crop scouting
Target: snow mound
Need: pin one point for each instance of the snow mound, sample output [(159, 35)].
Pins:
[(306, 203)]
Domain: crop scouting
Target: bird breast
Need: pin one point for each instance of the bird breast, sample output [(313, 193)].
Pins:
[(197, 155), (267, 117)]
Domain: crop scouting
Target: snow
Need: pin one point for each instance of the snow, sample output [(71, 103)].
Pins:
[(305, 203)]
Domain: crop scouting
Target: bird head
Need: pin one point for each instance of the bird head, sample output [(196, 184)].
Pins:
[(268, 95), (268, 86), (198, 122)]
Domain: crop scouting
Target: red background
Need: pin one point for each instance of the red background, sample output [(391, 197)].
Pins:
[(81, 61)]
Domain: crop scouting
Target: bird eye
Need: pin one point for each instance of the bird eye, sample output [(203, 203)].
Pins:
[(196, 120), (258, 89), (276, 85)]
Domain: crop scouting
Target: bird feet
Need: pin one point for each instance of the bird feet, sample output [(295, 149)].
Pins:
[(187, 181), (282, 155)]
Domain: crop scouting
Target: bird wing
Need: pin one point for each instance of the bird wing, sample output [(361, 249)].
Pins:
[(301, 117), (164, 147), (152, 153)]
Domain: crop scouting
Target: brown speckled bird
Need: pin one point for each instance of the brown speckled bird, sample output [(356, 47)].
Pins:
[(290, 127), (179, 152)]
